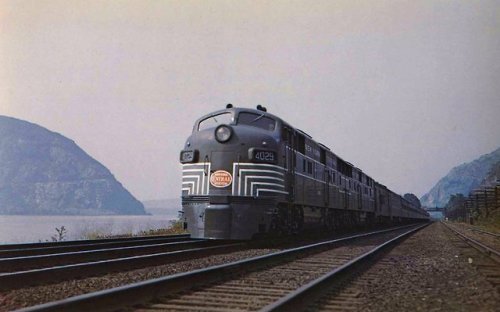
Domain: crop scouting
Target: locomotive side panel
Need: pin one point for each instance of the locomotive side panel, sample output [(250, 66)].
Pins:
[(396, 208), (300, 179), (383, 202)]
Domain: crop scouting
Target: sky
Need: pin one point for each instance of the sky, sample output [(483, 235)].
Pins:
[(404, 90)]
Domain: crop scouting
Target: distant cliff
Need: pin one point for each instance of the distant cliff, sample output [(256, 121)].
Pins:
[(45, 173), (461, 180), (493, 176)]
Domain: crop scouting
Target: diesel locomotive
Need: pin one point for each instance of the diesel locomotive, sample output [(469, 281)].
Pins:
[(247, 172)]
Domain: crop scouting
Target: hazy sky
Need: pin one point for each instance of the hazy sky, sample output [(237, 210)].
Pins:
[(405, 90)]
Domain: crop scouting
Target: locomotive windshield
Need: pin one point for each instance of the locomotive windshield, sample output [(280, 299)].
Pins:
[(214, 121), (256, 120)]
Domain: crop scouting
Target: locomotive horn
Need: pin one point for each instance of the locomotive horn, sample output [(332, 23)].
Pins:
[(229, 105), (261, 108)]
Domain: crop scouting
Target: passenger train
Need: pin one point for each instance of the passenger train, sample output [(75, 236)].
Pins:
[(247, 172)]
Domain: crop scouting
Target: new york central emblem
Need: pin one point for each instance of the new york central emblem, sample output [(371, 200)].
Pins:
[(221, 178)]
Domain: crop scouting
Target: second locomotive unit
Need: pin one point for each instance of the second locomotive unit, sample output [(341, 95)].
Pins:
[(246, 172)]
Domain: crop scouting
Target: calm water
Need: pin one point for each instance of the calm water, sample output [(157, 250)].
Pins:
[(21, 229)]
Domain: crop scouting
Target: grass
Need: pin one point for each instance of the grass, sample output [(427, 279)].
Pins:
[(175, 227), (491, 223)]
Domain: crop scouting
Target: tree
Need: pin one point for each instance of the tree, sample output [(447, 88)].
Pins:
[(455, 208)]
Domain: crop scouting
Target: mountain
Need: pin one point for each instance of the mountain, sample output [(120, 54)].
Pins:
[(493, 176), (461, 180), (45, 173)]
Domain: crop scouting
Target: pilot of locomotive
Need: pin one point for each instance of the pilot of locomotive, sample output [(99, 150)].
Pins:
[(233, 173)]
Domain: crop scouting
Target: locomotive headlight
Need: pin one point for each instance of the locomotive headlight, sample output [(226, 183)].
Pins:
[(223, 133)]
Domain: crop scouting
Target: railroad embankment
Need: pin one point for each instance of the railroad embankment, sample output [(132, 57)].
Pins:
[(431, 271)]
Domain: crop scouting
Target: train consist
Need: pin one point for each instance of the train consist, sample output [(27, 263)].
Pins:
[(247, 172)]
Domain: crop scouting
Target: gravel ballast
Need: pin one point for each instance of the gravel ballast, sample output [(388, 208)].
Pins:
[(20, 298), (429, 271)]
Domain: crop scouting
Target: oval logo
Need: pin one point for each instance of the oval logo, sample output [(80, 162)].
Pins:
[(221, 178)]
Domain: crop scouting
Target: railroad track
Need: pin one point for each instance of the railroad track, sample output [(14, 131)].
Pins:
[(489, 250), (347, 295), (488, 266), (20, 272), (23, 263), (485, 232), (271, 282), (18, 250), (473, 229)]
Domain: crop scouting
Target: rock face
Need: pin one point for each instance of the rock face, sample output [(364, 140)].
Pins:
[(461, 180), (44, 173), (493, 177)]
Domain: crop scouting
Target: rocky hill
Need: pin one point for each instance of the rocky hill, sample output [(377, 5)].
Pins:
[(461, 180), (45, 173), (493, 176)]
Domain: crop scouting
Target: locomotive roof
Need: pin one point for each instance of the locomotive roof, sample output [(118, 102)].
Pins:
[(237, 110)]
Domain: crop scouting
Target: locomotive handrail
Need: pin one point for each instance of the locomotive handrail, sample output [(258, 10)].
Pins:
[(205, 166)]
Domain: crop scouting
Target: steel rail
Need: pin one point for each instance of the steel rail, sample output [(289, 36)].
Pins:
[(485, 232), (51, 260), (86, 241), (299, 299), (137, 293), (88, 245), (15, 280), (494, 254)]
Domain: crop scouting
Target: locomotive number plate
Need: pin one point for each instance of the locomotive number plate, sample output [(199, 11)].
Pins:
[(263, 156), (188, 156)]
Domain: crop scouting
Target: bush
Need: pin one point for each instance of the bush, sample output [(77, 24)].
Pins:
[(176, 227), (61, 234)]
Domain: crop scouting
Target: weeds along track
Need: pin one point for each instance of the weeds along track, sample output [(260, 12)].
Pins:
[(24, 271), (268, 282)]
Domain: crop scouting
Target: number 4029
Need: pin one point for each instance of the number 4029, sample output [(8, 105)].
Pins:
[(265, 156)]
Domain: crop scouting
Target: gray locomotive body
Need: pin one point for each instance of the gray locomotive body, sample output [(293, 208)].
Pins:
[(246, 172)]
